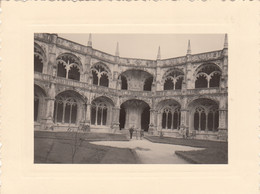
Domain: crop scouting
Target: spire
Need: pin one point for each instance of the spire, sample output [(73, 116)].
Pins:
[(117, 49), (159, 53), (189, 49), (90, 40), (226, 42)]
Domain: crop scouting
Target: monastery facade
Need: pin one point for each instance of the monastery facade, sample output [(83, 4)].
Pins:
[(77, 85)]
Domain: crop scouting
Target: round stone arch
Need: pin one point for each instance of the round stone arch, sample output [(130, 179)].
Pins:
[(74, 93), (138, 79), (172, 79), (169, 70), (40, 58), (40, 96), (106, 72), (159, 105), (104, 98), (123, 69), (102, 111), (41, 50), (203, 115), (200, 66), (168, 114), (134, 113), (207, 75), (146, 100), (61, 88), (69, 108), (213, 98), (43, 87), (69, 66)]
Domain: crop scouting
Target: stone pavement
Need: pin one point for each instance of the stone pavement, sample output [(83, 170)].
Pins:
[(151, 153)]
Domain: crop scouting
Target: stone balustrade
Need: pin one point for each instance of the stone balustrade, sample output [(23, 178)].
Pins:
[(102, 89), (214, 55)]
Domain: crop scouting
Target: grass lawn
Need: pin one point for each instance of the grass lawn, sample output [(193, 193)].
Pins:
[(214, 152), (67, 147)]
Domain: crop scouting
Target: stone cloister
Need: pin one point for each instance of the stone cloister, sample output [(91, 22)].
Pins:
[(77, 85)]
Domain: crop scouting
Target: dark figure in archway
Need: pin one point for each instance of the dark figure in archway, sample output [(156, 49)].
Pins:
[(131, 130)]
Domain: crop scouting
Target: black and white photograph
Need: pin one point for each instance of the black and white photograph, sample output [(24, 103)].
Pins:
[(130, 98)]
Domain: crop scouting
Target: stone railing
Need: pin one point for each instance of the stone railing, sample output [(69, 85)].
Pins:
[(206, 56), (137, 62), (102, 55), (174, 61), (169, 93), (42, 36), (72, 46), (102, 89), (201, 91)]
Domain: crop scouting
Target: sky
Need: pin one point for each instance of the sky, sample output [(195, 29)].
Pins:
[(146, 46)]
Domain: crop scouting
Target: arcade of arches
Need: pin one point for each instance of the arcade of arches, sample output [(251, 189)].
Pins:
[(71, 109), (78, 85)]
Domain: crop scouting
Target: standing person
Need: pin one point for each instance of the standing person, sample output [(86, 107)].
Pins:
[(131, 130), (187, 133), (141, 134)]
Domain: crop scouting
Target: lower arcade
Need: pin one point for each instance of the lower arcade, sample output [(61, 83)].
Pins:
[(204, 116)]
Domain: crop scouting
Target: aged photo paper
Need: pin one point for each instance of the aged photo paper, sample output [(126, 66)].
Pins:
[(130, 97)]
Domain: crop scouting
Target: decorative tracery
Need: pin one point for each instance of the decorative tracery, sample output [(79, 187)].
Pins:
[(68, 67), (171, 117), (65, 109), (208, 76), (206, 118), (173, 80), (99, 113), (100, 75), (148, 84), (39, 58)]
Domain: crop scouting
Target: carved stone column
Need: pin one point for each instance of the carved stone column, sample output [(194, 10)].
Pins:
[(184, 119), (48, 121), (115, 123), (222, 129), (152, 122), (88, 113)]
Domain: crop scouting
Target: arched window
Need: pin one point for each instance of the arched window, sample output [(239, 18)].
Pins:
[(100, 76), (123, 82), (38, 59), (199, 119), (36, 106), (201, 81), (39, 103), (215, 79), (68, 67), (168, 84), (171, 117), (65, 109), (208, 76), (74, 73), (148, 84), (99, 113), (104, 80), (206, 119), (173, 80)]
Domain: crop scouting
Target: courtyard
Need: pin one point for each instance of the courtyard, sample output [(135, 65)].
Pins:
[(101, 148)]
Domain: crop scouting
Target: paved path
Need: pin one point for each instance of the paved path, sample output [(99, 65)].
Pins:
[(151, 153)]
